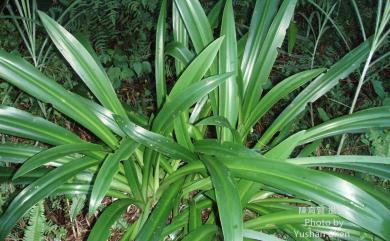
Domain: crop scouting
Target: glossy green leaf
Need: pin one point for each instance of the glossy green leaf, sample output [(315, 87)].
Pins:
[(292, 36), (6, 174), (17, 153), (84, 64), (101, 229), (161, 88), (103, 114), (132, 178), (196, 22), (284, 149), (379, 193), (38, 190), (263, 62), (320, 86), (277, 93), (215, 14), (181, 54), (180, 36), (261, 20), (194, 218), (185, 99), (198, 68), (154, 225), (107, 171), (22, 124), (23, 75), (54, 153), (155, 141), (358, 206), (183, 57), (374, 165), (241, 43), (228, 200), (205, 232), (361, 121), (228, 91)]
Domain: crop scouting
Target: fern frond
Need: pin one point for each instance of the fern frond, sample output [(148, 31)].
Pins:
[(34, 230)]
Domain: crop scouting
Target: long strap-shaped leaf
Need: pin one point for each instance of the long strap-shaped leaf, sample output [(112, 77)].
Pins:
[(179, 35), (215, 14), (261, 19), (221, 122), (206, 232), (23, 124), (277, 93), (85, 65), (357, 206), (132, 178), (378, 117), (154, 141), (228, 91), (18, 153), (197, 24), (103, 114), (228, 200), (260, 236), (320, 86), (183, 56), (374, 165), (108, 170), (361, 121), (38, 190), (198, 67), (161, 88), (265, 60), (22, 74), (54, 153), (184, 100), (152, 229), (101, 229)]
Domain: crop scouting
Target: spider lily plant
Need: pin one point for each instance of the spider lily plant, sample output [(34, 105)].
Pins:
[(188, 168)]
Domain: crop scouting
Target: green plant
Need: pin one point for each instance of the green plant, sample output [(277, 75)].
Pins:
[(34, 230), (188, 168), (380, 35)]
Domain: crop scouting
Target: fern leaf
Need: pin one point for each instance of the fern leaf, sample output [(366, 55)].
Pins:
[(34, 230)]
